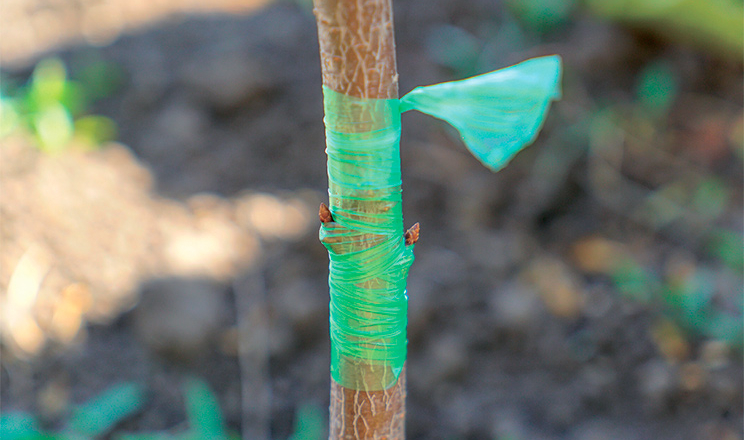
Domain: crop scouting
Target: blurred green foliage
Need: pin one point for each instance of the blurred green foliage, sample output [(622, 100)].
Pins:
[(52, 107), (97, 417), (717, 25), (688, 298), (542, 15), (205, 419), (657, 88), (88, 421), (713, 24), (309, 423), (690, 301), (690, 204), (727, 246), (203, 411)]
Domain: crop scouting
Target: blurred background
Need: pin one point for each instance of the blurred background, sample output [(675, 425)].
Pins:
[(160, 274)]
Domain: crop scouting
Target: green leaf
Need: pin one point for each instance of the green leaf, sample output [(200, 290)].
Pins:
[(49, 86), (18, 425), (203, 411), (711, 24), (95, 130), (74, 98), (633, 280), (693, 298), (53, 127), (48, 81), (309, 423), (657, 88), (542, 15), (103, 412), (9, 118)]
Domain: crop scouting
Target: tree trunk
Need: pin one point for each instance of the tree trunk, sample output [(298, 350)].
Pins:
[(357, 51)]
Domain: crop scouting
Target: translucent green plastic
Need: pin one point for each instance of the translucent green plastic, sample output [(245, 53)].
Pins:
[(497, 114), (368, 258)]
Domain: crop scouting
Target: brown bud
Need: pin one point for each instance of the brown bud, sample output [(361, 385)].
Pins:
[(325, 214), (412, 234)]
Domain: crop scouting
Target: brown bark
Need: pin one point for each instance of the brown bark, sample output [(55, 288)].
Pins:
[(359, 414), (357, 50), (357, 47)]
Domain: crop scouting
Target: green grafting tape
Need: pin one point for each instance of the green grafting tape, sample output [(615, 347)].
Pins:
[(496, 113), (369, 260)]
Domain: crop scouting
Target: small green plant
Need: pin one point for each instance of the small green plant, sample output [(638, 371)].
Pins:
[(687, 299), (90, 420), (52, 107), (205, 420), (309, 423), (97, 417)]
